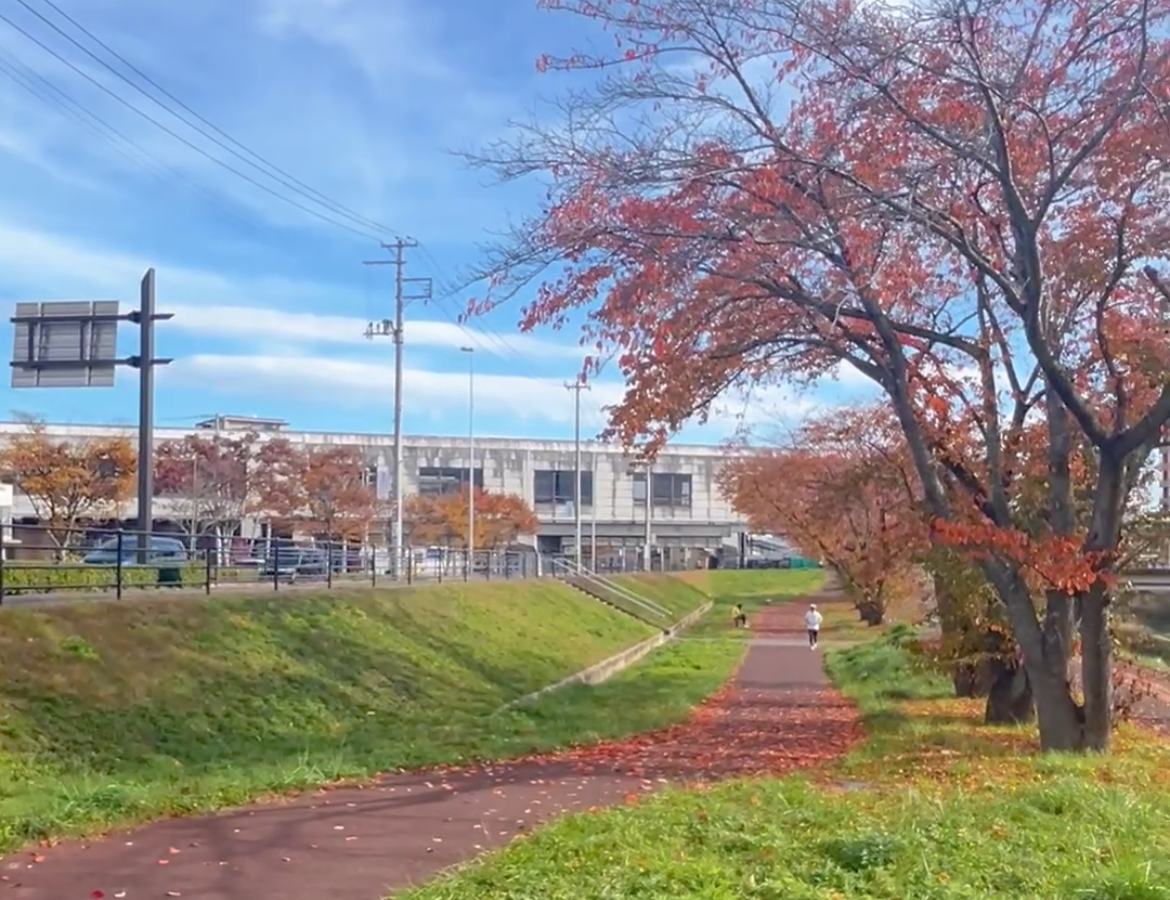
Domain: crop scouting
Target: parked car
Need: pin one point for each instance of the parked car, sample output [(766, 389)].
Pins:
[(287, 560), (160, 550)]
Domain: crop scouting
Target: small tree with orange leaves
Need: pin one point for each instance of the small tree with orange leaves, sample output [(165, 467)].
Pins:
[(66, 481), (322, 488), (442, 520)]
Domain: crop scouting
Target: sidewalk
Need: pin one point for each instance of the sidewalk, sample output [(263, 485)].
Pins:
[(776, 715)]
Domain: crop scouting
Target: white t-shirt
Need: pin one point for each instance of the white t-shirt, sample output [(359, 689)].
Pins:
[(813, 620)]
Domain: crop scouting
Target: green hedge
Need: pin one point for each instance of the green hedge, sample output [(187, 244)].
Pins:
[(31, 577)]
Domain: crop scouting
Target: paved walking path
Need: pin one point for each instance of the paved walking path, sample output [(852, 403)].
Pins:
[(778, 713)]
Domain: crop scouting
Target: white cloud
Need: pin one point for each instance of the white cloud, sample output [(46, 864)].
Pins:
[(43, 265), (360, 98), (246, 322), (381, 37), (368, 385)]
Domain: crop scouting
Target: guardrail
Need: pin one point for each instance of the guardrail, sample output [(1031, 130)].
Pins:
[(1146, 579)]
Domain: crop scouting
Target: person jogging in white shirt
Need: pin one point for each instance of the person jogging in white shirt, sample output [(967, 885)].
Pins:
[(812, 620)]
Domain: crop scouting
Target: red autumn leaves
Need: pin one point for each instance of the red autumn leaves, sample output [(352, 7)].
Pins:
[(778, 715), (967, 211), (841, 492)]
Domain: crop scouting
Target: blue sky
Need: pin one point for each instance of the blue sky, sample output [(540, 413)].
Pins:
[(363, 100)]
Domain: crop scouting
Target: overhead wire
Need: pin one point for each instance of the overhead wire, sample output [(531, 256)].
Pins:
[(26, 78), (212, 132), (352, 222), (449, 291), (365, 233), (47, 92)]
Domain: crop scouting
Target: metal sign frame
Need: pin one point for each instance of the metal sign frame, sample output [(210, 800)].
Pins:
[(85, 355), (65, 344)]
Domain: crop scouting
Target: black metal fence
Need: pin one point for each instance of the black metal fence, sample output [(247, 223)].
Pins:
[(40, 561)]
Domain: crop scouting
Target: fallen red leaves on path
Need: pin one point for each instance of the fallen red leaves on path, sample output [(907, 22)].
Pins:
[(776, 715)]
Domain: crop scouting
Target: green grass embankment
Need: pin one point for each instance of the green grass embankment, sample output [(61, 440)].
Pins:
[(753, 588), (121, 712), (124, 711)]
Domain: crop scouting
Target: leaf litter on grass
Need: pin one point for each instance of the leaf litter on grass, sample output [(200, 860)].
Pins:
[(739, 731), (951, 810)]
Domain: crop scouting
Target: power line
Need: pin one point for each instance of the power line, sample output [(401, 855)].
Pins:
[(282, 177), (12, 68), (179, 137), (476, 336), (448, 292), (29, 79)]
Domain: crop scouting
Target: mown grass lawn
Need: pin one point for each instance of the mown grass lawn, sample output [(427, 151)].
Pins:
[(674, 594), (754, 588), (932, 807), (114, 713)]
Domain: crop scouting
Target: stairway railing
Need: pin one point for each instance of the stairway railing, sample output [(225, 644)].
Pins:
[(606, 589)]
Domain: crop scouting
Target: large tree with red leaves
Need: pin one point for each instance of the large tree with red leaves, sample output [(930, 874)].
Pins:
[(967, 203)]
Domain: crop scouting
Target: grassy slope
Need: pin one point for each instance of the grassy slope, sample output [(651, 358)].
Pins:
[(116, 713), (932, 806), (754, 588), (123, 710), (668, 591)]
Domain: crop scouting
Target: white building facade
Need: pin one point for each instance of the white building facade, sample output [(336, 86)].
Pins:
[(684, 504)]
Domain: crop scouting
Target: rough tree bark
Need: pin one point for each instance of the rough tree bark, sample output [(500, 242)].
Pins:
[(871, 611), (1009, 698)]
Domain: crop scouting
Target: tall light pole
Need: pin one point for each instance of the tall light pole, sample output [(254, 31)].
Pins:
[(593, 514), (577, 387), (648, 559), (470, 351)]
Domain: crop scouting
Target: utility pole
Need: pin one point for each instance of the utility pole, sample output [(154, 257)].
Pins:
[(393, 328), (577, 387), (145, 362)]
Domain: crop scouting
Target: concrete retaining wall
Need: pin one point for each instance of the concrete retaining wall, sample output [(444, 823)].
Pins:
[(607, 668)]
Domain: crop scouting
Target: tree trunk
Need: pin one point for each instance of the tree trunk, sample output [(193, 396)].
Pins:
[(1061, 721), (1009, 698), (973, 679), (871, 612), (1097, 668)]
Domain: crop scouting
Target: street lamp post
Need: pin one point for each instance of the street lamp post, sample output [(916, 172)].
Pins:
[(648, 552), (647, 470), (470, 351)]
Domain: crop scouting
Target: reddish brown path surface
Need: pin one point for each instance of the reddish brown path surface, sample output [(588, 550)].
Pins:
[(1152, 707), (776, 715)]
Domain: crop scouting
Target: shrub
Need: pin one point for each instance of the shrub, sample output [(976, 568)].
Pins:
[(35, 578)]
